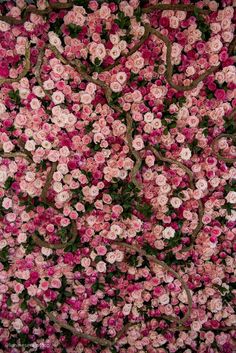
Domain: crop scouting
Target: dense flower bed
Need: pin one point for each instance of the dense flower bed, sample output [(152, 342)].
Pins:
[(117, 176)]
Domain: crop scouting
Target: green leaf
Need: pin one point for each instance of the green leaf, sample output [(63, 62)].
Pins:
[(138, 14), (23, 305), (9, 301), (145, 209), (8, 183), (57, 26), (150, 250), (204, 122), (94, 146), (97, 62), (74, 30), (89, 127), (133, 260), (4, 253), (15, 96), (97, 286)]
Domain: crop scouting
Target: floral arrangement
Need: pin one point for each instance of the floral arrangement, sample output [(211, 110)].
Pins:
[(117, 176)]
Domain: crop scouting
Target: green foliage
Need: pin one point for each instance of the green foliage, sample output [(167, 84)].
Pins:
[(29, 245), (57, 26), (126, 195), (133, 260), (138, 14), (15, 96), (97, 286), (8, 183), (202, 25), (88, 128), (109, 276), (64, 293), (150, 250), (145, 209), (230, 126), (170, 259), (9, 301), (74, 30), (227, 295), (4, 253), (94, 146), (123, 21), (175, 241), (194, 146)]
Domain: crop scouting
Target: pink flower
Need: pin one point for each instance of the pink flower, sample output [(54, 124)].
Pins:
[(7, 203), (58, 97), (220, 94), (168, 233), (101, 266), (137, 143)]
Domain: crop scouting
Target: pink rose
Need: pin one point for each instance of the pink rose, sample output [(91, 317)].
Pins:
[(138, 143)]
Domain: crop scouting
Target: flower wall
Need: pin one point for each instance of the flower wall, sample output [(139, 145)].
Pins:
[(117, 176)]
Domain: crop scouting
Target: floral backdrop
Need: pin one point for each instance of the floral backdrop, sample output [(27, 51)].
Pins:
[(117, 176)]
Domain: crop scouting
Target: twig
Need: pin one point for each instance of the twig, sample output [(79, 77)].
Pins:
[(37, 71), (169, 269), (169, 70), (45, 244), (15, 155), (24, 71), (61, 324), (48, 181), (136, 155), (173, 161), (27, 153), (218, 155), (133, 50), (191, 182), (108, 94)]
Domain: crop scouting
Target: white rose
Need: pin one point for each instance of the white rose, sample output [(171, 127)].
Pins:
[(185, 154), (168, 232), (231, 197), (3, 176)]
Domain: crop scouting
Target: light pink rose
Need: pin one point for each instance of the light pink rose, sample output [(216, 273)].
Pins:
[(138, 143)]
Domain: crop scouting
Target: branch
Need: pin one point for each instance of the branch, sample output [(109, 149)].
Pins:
[(169, 269), (15, 154), (24, 71), (61, 324), (169, 70), (173, 161), (45, 244), (191, 182), (27, 153), (77, 65), (132, 51), (48, 181), (218, 155), (136, 155), (37, 71)]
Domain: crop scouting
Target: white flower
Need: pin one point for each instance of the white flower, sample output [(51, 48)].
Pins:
[(231, 197), (3, 176), (138, 143), (30, 145), (17, 324), (201, 184), (185, 154), (58, 97), (168, 233)]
